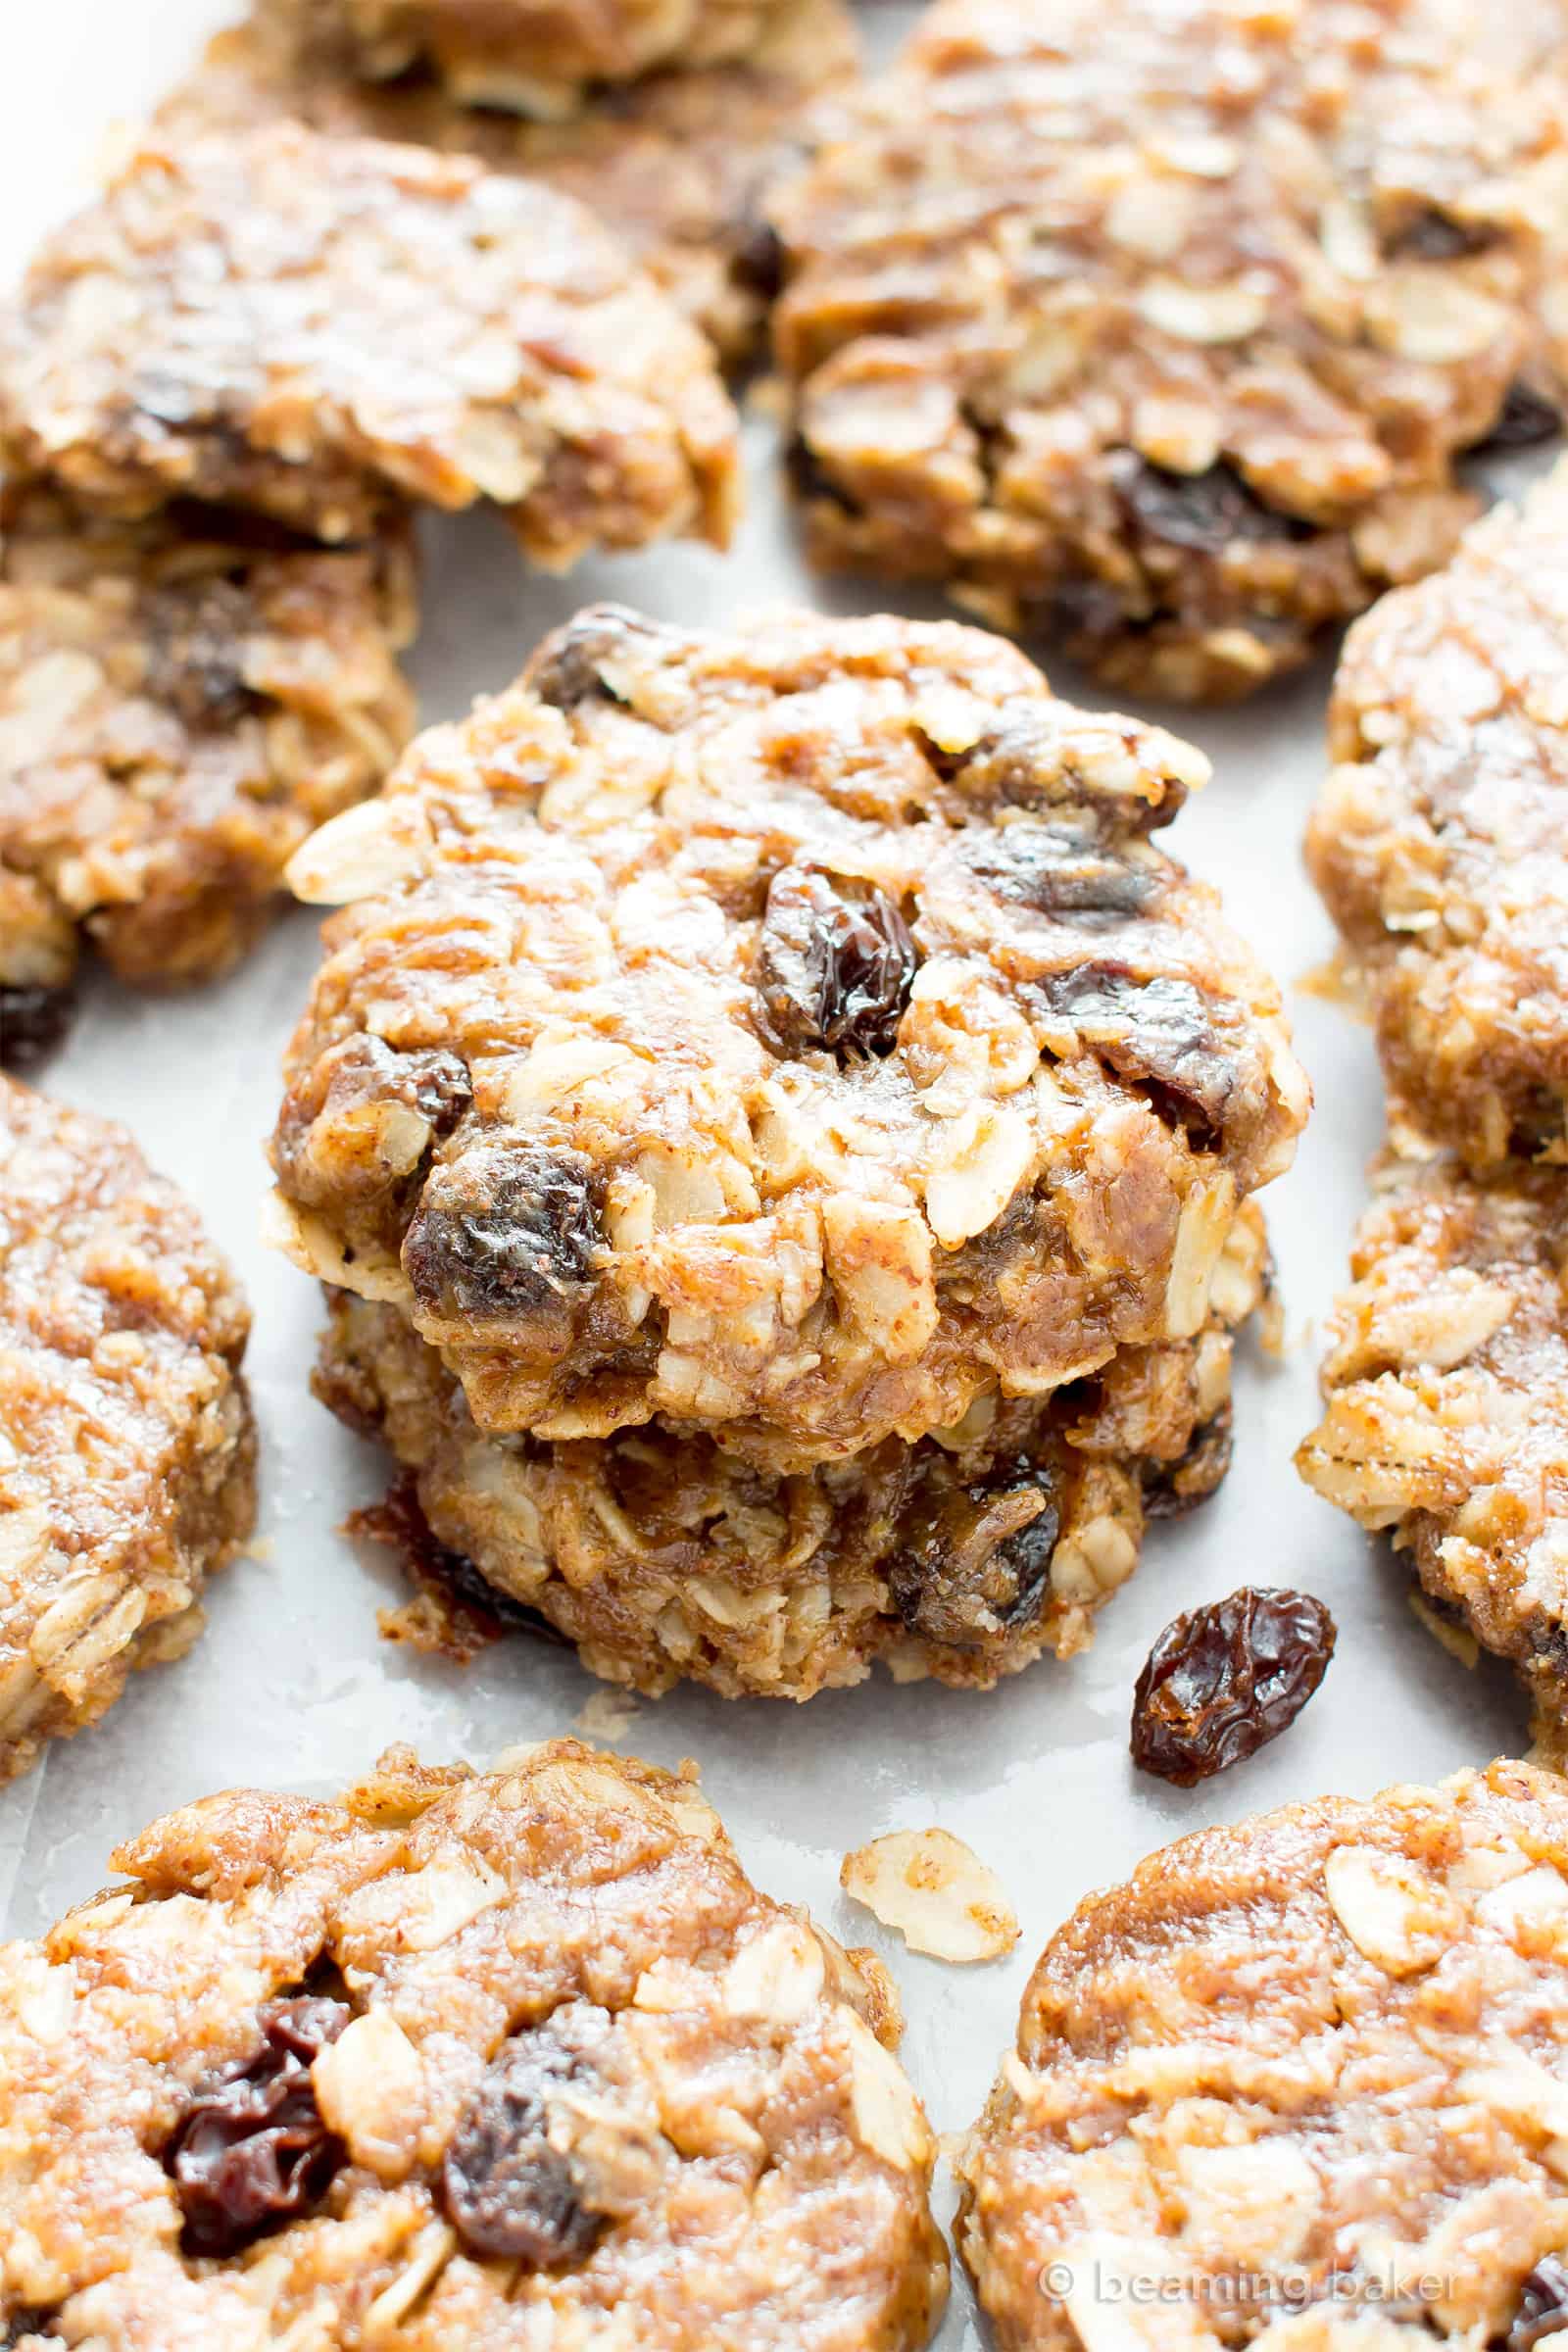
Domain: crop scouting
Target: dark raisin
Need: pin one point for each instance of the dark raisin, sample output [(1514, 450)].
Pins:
[(33, 1021), (510, 2193), (436, 1084), (503, 1231), (195, 654), (251, 2151), (479, 1611), (1542, 2307), (957, 1583), (810, 481), (1526, 418), (27, 2320), (1206, 511), (1431, 235), (569, 667), (835, 964), (757, 261), (1223, 1681), (1059, 869), (1157, 1034), (1174, 1489)]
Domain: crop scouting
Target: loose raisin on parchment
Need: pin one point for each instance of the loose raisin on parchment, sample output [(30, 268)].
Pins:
[(1223, 1681)]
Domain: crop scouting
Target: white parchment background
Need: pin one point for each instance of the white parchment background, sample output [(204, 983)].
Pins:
[(291, 1683)]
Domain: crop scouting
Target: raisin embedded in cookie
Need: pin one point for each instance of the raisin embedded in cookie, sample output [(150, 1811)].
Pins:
[(454, 2061), (666, 1559), (678, 164), (179, 706), (1295, 2086), (127, 1456), (318, 328), (531, 57), (1441, 842), (794, 1033), (1446, 1397), (1159, 331)]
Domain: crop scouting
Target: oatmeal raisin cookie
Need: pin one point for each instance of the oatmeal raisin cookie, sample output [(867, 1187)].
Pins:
[(677, 165), (666, 1559), (1299, 2085), (456, 2061), (793, 1031), (127, 1456), (318, 328), (1441, 842), (529, 57), (1159, 327), (1446, 1391), (180, 705)]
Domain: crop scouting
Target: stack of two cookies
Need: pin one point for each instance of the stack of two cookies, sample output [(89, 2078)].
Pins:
[(779, 1135)]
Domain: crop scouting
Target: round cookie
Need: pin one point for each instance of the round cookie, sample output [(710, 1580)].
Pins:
[(321, 328), (179, 707), (794, 1033), (452, 2062), (677, 164), (663, 1558), (1296, 2084), (1160, 330), (127, 1453), (1446, 1417), (529, 57), (1440, 842)]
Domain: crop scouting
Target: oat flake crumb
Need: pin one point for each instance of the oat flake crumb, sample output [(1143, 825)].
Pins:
[(935, 1891)]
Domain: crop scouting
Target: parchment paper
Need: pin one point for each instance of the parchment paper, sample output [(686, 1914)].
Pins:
[(291, 1685)]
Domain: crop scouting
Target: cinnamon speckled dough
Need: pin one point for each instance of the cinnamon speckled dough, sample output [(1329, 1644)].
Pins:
[(551, 1982), (793, 1033), (1303, 2076), (677, 164), (1441, 842), (178, 709), (1447, 1404), (127, 1456), (1158, 328), (531, 57), (663, 1559), (318, 328)]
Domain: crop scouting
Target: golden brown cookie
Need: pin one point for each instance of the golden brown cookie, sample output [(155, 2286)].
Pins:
[(1159, 331), (128, 1454), (1298, 2084), (456, 2061), (794, 1033)]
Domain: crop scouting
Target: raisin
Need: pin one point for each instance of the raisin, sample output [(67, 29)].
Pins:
[(502, 1232), (756, 263), (835, 964), (1526, 417), (1543, 2308), (1156, 1033), (33, 1021), (1173, 1488), (1223, 1681), (510, 2193), (1431, 235), (251, 2151), (568, 671), (956, 1583), (195, 657), (1060, 869), (1204, 512)]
